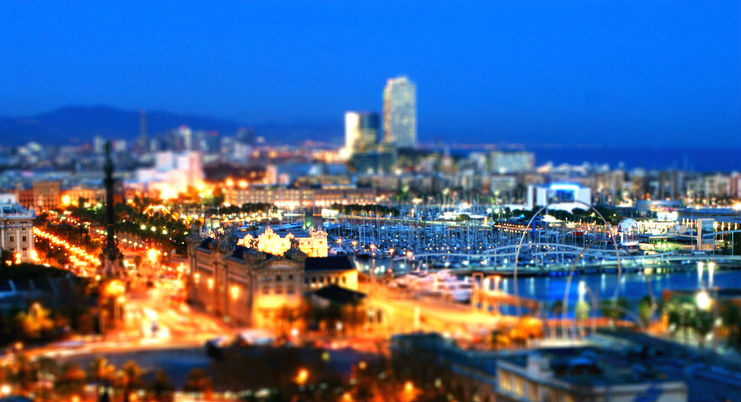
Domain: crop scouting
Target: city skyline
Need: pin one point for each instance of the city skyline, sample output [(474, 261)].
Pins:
[(370, 201), (665, 74)]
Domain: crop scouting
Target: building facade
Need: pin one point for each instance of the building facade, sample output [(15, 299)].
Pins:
[(46, 194), (562, 196), (299, 197), (313, 245), (502, 162), (248, 287), (16, 230), (400, 113), (579, 374), (361, 132)]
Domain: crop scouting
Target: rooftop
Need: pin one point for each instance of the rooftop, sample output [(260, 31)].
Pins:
[(587, 366), (15, 210), (339, 294), (330, 263)]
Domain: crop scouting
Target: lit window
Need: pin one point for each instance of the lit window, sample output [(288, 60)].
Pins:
[(518, 386), (504, 384)]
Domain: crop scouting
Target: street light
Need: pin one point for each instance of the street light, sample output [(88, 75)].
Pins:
[(373, 263), (152, 255), (703, 300), (302, 376)]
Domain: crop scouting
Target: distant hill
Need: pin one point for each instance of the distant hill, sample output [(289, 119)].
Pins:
[(78, 124)]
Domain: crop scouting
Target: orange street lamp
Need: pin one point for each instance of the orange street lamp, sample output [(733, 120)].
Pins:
[(152, 255), (302, 376)]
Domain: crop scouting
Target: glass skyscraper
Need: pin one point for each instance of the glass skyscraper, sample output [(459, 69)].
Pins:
[(400, 113), (361, 132)]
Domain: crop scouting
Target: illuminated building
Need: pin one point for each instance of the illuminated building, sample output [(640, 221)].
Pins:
[(16, 228), (313, 245), (25, 197), (299, 197), (361, 132), (46, 194), (233, 175), (90, 195), (374, 162), (583, 374), (565, 197), (184, 138), (511, 161), (247, 286), (400, 113), (172, 173)]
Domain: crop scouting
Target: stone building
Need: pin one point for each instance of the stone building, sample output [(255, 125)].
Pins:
[(16, 230), (249, 287)]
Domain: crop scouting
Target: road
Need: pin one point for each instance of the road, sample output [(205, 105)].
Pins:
[(406, 314)]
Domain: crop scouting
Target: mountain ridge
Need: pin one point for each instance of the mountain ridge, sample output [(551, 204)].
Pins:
[(80, 123)]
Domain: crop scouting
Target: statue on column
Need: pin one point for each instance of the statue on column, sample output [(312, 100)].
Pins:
[(111, 256)]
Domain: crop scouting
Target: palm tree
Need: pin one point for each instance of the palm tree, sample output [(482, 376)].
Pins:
[(36, 322), (25, 372), (100, 372), (614, 309), (645, 311), (702, 322), (130, 379), (160, 388), (197, 382), (71, 380)]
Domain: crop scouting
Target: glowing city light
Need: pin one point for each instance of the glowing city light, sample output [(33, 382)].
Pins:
[(703, 300)]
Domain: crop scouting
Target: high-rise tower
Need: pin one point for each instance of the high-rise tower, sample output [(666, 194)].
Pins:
[(361, 132), (143, 140), (400, 113)]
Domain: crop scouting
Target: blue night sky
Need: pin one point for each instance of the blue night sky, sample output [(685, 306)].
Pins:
[(576, 71)]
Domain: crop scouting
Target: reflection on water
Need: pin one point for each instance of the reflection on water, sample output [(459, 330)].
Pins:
[(633, 286)]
